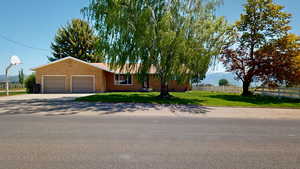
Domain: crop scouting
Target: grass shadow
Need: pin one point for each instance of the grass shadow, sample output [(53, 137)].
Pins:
[(144, 101), (139, 98)]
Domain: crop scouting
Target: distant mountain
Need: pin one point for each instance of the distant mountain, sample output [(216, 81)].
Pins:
[(11, 78), (213, 78)]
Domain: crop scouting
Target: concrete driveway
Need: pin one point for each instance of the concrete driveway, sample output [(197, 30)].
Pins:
[(63, 97)]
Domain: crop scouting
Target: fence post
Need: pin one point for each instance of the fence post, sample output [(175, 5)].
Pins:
[(278, 91)]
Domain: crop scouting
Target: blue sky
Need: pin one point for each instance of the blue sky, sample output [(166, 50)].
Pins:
[(35, 22)]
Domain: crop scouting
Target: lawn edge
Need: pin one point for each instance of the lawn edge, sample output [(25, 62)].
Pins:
[(216, 106)]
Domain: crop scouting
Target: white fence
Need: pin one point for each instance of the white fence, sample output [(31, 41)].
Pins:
[(279, 92), (12, 86), (225, 89)]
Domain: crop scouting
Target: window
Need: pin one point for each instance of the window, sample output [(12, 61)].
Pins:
[(123, 79)]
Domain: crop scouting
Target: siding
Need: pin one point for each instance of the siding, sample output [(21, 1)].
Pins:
[(71, 67)]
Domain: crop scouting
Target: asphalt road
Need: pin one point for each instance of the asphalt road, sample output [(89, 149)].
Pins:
[(124, 142)]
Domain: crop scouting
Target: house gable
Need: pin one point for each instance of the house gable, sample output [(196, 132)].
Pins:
[(73, 59)]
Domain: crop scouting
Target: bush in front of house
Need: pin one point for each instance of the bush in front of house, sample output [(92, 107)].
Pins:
[(223, 82), (30, 83)]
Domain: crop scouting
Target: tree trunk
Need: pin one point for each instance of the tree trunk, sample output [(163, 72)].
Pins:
[(164, 91), (246, 85)]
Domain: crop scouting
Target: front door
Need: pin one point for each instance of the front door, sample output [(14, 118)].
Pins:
[(146, 82)]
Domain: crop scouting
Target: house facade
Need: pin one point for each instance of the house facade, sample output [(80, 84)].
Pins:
[(71, 75)]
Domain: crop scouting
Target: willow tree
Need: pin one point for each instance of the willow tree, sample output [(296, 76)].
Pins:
[(179, 38)]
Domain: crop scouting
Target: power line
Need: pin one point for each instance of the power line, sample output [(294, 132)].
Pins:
[(22, 44)]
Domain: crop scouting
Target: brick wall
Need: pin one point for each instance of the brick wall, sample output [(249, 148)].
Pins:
[(111, 86), (154, 84)]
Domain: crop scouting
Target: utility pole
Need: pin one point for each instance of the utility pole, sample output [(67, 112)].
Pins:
[(6, 78)]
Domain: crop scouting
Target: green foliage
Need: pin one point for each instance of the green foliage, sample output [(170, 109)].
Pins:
[(21, 76), (179, 38), (262, 22), (76, 39), (280, 65), (30, 83), (12, 93), (223, 82)]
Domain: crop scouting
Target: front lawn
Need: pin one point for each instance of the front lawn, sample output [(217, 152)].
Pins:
[(202, 98), (12, 93)]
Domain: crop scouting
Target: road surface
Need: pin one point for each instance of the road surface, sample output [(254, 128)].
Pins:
[(138, 142)]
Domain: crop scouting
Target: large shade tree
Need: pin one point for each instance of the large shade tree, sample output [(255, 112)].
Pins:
[(76, 39), (297, 63), (262, 22), (277, 61), (179, 38)]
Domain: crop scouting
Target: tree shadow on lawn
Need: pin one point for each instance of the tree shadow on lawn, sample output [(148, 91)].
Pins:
[(135, 102), (256, 99), (139, 98), (62, 106)]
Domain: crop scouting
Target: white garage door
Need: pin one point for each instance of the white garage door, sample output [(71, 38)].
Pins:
[(54, 84), (82, 84)]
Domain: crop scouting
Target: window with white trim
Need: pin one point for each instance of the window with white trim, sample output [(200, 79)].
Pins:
[(123, 79)]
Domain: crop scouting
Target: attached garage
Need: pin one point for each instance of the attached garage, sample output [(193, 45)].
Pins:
[(71, 75), (83, 84), (54, 84)]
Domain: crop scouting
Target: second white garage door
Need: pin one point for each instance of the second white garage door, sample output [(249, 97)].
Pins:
[(83, 84)]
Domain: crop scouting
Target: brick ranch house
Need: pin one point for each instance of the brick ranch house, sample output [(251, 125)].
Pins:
[(71, 75)]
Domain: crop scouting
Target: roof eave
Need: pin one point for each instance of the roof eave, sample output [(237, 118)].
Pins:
[(69, 57)]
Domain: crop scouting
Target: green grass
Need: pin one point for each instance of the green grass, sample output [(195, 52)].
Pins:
[(202, 98), (11, 93)]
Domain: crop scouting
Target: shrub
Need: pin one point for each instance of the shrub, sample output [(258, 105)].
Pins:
[(223, 82), (30, 83)]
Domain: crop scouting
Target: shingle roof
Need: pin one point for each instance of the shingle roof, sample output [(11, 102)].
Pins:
[(104, 66)]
